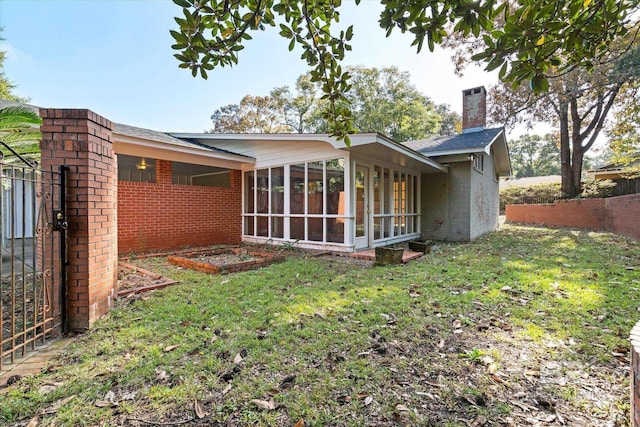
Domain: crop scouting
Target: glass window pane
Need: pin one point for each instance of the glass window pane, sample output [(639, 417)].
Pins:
[(277, 227), (248, 193), (335, 187), (277, 190), (297, 189), (263, 226), (376, 190), (386, 227), (263, 191), (388, 191), (136, 169), (335, 230), (360, 199), (296, 226), (377, 229), (248, 226), (315, 229), (315, 180)]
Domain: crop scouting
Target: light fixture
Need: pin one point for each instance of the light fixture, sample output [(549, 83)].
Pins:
[(141, 165)]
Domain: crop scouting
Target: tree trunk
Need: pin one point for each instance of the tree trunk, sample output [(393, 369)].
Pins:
[(565, 150)]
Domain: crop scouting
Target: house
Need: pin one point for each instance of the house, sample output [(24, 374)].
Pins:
[(625, 176), (191, 189)]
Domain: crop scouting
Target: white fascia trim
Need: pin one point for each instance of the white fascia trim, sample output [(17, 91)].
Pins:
[(356, 140), (195, 150), (410, 153)]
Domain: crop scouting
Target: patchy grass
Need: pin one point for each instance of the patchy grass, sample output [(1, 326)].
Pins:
[(524, 326)]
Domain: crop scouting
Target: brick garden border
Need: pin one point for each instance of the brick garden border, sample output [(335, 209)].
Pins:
[(261, 259), (164, 284)]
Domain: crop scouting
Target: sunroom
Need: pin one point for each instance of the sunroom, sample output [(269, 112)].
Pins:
[(312, 191)]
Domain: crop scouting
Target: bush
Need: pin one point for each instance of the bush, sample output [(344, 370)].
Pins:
[(549, 193), (534, 194)]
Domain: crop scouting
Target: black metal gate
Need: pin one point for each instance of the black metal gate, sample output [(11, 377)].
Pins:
[(32, 238)]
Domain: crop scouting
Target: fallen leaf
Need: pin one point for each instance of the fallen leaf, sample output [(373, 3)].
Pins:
[(108, 400), (46, 389), (161, 375), (273, 392), (287, 381), (402, 408), (267, 405), (320, 315), (300, 423), (368, 400), (185, 323), (237, 359), (457, 324), (33, 422), (171, 348), (362, 395), (441, 344), (57, 405), (343, 399), (227, 389), (129, 396), (492, 368), (479, 421), (199, 410)]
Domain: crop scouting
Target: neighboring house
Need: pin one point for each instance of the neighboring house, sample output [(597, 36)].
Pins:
[(193, 189), (618, 173)]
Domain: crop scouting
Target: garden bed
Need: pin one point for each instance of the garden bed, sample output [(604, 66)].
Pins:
[(133, 279), (225, 260)]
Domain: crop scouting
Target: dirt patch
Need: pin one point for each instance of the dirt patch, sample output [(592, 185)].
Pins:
[(133, 279), (226, 260)]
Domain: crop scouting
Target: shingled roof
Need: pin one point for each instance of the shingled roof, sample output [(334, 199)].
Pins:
[(464, 142)]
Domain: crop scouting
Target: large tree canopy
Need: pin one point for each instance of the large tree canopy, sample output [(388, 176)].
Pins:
[(383, 100), (528, 40), (535, 155), (577, 102)]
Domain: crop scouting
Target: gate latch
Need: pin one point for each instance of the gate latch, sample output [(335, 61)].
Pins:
[(59, 221)]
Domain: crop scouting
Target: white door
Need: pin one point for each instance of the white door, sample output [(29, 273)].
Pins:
[(363, 211)]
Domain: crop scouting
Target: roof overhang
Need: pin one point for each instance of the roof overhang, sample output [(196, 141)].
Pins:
[(371, 145), (192, 153), (500, 149)]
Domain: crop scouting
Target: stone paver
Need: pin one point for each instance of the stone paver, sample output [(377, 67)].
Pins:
[(34, 362)]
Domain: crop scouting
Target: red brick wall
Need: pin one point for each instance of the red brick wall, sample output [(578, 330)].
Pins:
[(474, 108), (161, 215), (81, 140), (623, 215), (620, 215), (586, 213)]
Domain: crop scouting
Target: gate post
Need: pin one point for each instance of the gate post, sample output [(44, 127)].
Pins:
[(81, 141)]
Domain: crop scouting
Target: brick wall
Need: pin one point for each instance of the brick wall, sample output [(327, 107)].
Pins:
[(161, 215), (474, 108), (586, 213), (81, 140), (620, 215), (635, 376), (623, 215)]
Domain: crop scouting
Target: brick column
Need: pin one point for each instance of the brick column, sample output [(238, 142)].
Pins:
[(81, 140)]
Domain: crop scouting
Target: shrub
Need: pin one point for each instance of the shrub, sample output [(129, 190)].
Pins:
[(534, 194), (593, 189)]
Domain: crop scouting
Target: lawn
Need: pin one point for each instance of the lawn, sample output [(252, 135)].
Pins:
[(526, 326)]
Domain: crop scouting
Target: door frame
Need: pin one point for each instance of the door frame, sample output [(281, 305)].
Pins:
[(364, 241)]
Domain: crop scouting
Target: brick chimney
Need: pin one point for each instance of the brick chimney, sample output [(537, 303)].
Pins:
[(474, 109)]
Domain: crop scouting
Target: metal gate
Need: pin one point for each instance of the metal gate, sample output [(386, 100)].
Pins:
[(32, 237)]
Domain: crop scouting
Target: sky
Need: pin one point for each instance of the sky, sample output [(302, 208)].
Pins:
[(114, 57)]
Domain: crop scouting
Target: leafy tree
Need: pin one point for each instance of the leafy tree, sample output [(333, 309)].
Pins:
[(382, 100), (6, 86), (577, 102), (535, 155), (530, 40), (624, 135), (254, 114), (20, 129)]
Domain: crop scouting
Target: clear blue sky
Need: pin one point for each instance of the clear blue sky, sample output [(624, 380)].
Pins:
[(115, 58)]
